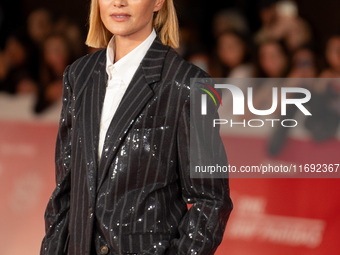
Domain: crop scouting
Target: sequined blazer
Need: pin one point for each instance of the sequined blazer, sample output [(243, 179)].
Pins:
[(134, 201)]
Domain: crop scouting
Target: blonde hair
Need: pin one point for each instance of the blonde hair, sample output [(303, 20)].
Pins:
[(165, 23)]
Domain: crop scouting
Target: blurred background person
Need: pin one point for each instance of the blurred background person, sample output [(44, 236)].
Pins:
[(229, 20), (304, 63), (281, 21), (268, 16), (73, 34), (17, 67), (332, 56), (191, 49), (39, 25), (272, 59), (325, 103), (233, 55), (56, 57)]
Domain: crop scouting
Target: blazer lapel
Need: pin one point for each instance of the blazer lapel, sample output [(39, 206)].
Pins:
[(93, 94), (137, 95)]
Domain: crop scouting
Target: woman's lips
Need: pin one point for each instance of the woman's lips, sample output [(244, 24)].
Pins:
[(120, 17)]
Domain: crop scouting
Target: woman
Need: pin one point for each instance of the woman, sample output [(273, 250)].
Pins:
[(332, 56), (325, 103), (122, 153), (273, 59), (233, 52), (272, 62)]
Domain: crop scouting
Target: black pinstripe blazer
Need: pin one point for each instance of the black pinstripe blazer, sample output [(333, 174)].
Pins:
[(134, 201)]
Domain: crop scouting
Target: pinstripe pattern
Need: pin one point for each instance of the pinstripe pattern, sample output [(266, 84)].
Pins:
[(134, 199)]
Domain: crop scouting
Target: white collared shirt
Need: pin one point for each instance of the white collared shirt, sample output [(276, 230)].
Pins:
[(120, 75)]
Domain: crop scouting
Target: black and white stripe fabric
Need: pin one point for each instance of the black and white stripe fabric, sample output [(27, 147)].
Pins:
[(134, 201)]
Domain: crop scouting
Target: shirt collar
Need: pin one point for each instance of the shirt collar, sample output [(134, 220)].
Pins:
[(127, 66)]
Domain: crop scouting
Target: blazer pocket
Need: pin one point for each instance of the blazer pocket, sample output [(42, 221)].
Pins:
[(149, 122)]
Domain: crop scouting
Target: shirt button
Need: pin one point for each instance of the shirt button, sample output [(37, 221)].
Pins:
[(104, 250)]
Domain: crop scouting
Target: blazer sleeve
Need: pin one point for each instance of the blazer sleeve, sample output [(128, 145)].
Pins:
[(57, 211), (202, 227)]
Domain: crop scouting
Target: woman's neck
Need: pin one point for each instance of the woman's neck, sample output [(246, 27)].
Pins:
[(126, 44)]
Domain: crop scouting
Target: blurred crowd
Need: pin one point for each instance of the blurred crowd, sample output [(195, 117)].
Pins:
[(34, 57), (283, 47)]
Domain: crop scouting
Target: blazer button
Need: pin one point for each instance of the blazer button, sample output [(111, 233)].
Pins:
[(104, 250)]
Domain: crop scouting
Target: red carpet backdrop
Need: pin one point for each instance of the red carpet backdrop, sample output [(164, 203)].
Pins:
[(271, 216), (26, 182), (282, 216)]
